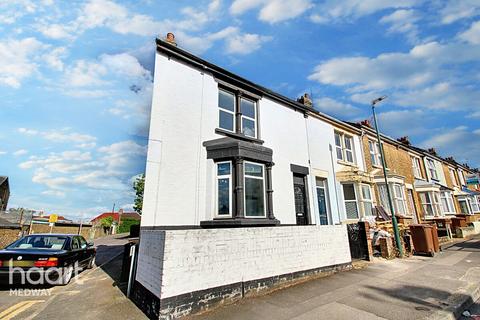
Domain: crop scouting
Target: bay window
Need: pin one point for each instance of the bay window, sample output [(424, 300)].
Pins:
[(350, 198), (430, 203), (254, 190), (367, 201), (447, 202), (399, 198), (237, 113), (475, 204), (224, 187), (375, 154), (344, 147), (399, 201)]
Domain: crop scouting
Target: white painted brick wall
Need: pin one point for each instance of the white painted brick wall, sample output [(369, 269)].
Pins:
[(205, 258)]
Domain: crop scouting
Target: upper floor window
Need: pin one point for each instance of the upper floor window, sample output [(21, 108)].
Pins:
[(344, 147), (461, 177), (432, 169), (375, 155), (417, 171), (453, 177), (237, 114)]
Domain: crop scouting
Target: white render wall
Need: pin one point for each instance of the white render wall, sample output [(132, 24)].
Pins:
[(174, 262), (180, 180)]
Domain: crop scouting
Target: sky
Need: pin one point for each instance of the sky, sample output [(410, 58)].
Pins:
[(76, 79)]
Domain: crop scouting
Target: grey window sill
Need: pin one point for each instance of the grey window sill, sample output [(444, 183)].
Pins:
[(238, 136)]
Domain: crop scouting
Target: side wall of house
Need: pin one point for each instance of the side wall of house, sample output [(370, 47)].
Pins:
[(180, 180)]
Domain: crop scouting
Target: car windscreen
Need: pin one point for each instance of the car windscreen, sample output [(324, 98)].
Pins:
[(39, 242)]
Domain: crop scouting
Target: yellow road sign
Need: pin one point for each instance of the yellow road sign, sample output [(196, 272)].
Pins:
[(53, 218)]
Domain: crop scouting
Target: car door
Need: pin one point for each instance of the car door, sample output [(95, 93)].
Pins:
[(84, 251), (76, 252)]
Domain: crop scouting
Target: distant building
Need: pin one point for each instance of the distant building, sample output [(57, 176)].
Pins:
[(4, 193), (115, 216)]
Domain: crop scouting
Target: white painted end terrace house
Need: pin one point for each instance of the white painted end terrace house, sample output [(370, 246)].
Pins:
[(224, 151)]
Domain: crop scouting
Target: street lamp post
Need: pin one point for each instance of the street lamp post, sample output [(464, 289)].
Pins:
[(382, 154)]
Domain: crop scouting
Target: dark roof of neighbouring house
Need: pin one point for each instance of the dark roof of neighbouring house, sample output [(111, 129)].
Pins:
[(114, 215), (243, 83), (3, 179)]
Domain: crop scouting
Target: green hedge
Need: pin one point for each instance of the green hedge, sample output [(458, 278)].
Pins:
[(126, 224)]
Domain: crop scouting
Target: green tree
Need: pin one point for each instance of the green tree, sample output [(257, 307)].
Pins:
[(138, 186), (106, 222)]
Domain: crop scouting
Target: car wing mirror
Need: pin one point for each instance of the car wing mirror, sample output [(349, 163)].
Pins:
[(90, 244)]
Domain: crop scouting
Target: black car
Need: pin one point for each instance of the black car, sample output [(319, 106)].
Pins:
[(40, 259)]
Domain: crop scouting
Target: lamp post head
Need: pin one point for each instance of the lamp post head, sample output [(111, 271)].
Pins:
[(374, 102)]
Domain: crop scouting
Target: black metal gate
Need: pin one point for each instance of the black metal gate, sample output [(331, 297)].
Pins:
[(357, 239)]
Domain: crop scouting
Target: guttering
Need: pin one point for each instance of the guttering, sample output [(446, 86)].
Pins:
[(173, 51)]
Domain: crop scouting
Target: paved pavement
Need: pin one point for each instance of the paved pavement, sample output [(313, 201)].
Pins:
[(414, 288), (93, 294)]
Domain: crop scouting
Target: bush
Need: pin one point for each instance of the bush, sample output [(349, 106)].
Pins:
[(126, 224)]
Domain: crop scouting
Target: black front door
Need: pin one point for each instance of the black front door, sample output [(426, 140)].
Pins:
[(300, 192)]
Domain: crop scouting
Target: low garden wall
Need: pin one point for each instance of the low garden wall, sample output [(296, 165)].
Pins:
[(185, 271)]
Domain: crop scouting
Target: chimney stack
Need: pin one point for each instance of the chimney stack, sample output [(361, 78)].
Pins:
[(366, 123), (170, 38), (305, 100), (432, 151), (404, 140)]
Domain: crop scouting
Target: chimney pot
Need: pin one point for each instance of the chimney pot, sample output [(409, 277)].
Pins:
[(170, 38), (404, 140), (305, 100)]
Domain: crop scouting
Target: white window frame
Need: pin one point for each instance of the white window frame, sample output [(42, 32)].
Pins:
[(364, 200), (323, 185), (228, 111), (399, 199), (469, 206), (249, 118), (417, 169), (434, 203), (230, 193), (447, 197), (461, 177), (432, 168), (343, 148), (375, 155), (474, 204), (453, 177), (245, 193), (356, 200)]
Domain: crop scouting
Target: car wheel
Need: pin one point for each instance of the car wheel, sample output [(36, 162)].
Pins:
[(66, 275), (91, 263)]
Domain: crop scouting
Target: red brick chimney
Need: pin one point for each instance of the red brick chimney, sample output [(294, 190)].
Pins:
[(366, 123)]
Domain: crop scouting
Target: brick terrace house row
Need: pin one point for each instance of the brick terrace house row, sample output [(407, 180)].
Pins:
[(224, 151)]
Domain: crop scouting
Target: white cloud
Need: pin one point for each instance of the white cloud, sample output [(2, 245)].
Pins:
[(348, 10), (272, 11), (3, 153), (414, 78), (472, 35), (403, 21), (245, 43), (16, 60), (62, 136), (337, 108), (20, 152), (459, 142), (54, 193), (19, 59), (109, 168), (453, 11)]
